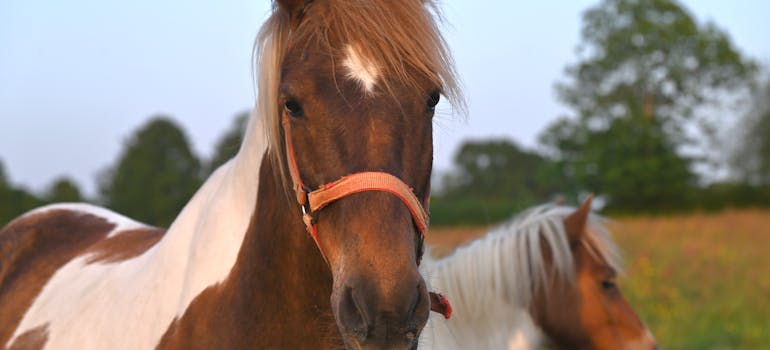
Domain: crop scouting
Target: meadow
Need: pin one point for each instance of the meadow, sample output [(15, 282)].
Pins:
[(699, 281)]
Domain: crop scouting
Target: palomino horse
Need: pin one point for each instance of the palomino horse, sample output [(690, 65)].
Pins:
[(347, 92), (546, 277)]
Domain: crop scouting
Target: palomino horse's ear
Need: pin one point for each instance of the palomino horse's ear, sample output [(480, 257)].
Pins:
[(294, 8), (575, 223)]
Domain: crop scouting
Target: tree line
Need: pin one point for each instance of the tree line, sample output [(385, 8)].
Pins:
[(642, 95), (155, 175)]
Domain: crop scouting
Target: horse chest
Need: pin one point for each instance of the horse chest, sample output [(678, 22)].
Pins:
[(218, 319)]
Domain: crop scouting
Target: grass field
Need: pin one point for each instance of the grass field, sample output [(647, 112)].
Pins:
[(700, 281)]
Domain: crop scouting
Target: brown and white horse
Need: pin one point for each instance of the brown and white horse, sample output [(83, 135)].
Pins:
[(345, 87), (545, 277)]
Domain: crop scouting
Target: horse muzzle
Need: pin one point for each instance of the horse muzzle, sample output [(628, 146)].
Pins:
[(378, 314)]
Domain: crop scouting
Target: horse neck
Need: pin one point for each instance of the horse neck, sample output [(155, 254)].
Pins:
[(279, 238), (276, 233), (283, 279)]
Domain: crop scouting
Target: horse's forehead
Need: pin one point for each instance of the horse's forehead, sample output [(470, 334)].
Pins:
[(314, 63), (359, 68)]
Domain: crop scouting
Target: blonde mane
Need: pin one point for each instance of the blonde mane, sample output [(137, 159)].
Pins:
[(514, 254), (400, 37), (492, 280)]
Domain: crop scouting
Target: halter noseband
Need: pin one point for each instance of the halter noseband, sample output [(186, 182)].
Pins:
[(311, 201)]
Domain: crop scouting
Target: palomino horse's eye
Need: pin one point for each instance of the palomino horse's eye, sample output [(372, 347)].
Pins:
[(608, 285), (293, 108), (433, 99)]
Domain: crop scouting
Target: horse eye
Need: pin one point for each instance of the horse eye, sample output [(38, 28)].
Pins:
[(293, 108), (608, 285), (433, 99)]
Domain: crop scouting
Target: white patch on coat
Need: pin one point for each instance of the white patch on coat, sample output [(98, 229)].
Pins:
[(130, 304), (360, 69)]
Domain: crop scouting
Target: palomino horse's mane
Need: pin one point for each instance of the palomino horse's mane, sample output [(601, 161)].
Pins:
[(514, 253), (399, 37), (491, 281)]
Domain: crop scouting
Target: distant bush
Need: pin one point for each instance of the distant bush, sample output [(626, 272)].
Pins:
[(723, 195), (473, 211)]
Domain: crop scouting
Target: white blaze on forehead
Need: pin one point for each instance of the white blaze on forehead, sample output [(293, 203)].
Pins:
[(360, 69)]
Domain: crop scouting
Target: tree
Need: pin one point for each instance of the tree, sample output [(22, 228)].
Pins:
[(497, 169), (14, 201), (650, 58), (6, 211), (3, 176), (229, 143), (155, 176), (751, 160), (645, 73), (63, 189), (490, 180), (633, 163)]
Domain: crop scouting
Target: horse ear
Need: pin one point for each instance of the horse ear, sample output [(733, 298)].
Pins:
[(293, 7), (575, 223)]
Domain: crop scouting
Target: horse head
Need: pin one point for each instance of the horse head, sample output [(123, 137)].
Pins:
[(588, 311), (355, 91)]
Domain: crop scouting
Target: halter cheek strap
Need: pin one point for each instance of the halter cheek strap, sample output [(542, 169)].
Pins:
[(311, 201)]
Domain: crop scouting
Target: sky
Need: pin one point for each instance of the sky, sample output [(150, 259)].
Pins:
[(77, 77)]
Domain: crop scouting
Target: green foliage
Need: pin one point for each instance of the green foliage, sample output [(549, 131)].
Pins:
[(13, 201), (751, 161), (633, 164), (650, 58), (3, 175), (63, 190), (467, 211), (491, 179), (497, 169), (646, 69), (721, 195), (155, 176), (16, 201), (229, 143)]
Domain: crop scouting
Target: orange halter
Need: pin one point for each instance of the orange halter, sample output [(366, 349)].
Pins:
[(312, 201)]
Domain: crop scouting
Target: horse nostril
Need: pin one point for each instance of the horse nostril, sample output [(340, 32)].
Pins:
[(375, 316), (355, 315), (421, 308), (417, 314)]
